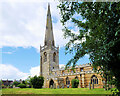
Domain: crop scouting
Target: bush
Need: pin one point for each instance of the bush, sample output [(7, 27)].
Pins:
[(16, 83), (3, 86), (28, 86), (21, 85), (23, 82), (75, 83), (37, 82), (11, 86)]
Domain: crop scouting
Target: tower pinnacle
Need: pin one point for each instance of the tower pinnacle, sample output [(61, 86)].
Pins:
[(49, 38)]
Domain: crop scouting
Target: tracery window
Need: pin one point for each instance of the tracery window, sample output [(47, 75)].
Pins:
[(67, 81), (62, 72), (81, 69), (94, 79)]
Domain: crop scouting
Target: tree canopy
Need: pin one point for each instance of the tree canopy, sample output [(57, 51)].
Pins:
[(37, 81), (16, 83), (99, 24)]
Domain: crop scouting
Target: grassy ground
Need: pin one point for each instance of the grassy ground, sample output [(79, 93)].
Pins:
[(55, 91)]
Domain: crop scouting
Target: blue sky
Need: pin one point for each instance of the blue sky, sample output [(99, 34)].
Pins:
[(25, 58), (22, 32)]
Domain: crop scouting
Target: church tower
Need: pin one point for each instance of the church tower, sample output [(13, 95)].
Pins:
[(49, 59)]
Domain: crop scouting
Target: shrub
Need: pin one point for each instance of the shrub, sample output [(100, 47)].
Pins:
[(11, 86), (21, 86), (23, 82), (75, 83), (37, 82), (16, 83), (28, 86), (27, 82), (3, 86)]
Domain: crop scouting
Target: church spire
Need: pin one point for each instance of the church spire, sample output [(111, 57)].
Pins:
[(49, 38)]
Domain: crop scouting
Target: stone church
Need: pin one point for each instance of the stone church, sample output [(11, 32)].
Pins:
[(59, 77)]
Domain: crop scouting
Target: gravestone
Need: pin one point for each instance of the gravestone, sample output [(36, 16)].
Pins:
[(58, 86), (54, 86), (51, 86), (62, 85), (13, 86), (67, 86)]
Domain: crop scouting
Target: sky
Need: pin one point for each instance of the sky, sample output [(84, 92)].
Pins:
[(22, 31)]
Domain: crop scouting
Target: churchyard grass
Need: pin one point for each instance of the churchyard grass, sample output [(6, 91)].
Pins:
[(54, 91)]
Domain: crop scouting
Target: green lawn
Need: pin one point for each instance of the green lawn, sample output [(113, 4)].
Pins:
[(55, 91)]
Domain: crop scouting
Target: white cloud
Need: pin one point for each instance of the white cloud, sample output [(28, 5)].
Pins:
[(10, 72), (7, 52), (23, 24), (11, 1), (61, 66), (35, 71)]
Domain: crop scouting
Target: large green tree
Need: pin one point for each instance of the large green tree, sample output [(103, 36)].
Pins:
[(37, 81), (99, 24)]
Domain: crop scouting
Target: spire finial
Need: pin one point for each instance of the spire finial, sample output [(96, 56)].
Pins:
[(48, 4)]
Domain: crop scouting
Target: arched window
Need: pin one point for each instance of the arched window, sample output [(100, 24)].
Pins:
[(63, 72), (94, 79), (45, 56), (45, 43), (54, 57), (67, 81)]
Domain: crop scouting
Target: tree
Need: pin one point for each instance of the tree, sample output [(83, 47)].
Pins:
[(21, 85), (23, 82), (99, 24), (37, 82), (16, 83), (27, 82), (75, 83), (1, 84)]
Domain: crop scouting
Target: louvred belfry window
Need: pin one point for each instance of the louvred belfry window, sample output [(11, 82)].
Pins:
[(45, 57)]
